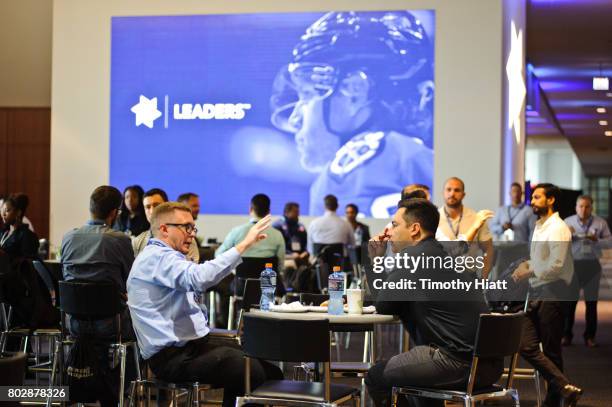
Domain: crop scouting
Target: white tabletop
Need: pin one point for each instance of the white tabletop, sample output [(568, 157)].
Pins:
[(333, 319)]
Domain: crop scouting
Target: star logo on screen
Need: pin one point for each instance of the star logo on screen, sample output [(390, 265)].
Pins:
[(146, 111)]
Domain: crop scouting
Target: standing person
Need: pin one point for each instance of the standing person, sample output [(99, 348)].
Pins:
[(549, 270), (361, 231), (192, 200), (172, 330), (458, 222), (132, 219), (16, 238), (587, 230), (514, 222)]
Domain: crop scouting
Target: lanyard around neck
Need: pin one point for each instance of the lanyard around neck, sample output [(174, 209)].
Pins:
[(450, 223)]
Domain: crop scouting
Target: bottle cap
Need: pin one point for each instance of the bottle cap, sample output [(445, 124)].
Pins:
[(268, 265), (336, 268)]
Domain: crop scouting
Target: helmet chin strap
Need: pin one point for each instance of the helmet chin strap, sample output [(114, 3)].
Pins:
[(344, 137)]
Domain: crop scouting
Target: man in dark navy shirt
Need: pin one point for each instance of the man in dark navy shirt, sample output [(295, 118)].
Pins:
[(293, 232), (443, 328)]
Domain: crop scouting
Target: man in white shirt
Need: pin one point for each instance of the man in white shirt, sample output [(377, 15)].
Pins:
[(550, 271), (457, 222), (330, 228)]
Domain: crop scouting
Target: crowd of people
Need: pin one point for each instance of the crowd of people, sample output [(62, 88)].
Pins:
[(148, 247)]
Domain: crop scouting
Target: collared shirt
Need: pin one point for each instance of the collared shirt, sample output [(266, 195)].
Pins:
[(140, 242), (294, 234), (161, 291), (97, 253), (272, 246), (462, 224), (521, 217), (586, 249), (329, 229), (550, 254)]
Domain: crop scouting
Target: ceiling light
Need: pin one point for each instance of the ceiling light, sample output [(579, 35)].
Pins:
[(601, 110), (603, 122), (608, 133), (601, 83)]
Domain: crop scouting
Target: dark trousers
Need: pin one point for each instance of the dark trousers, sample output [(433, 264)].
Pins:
[(219, 364), (544, 323), (425, 366), (588, 273)]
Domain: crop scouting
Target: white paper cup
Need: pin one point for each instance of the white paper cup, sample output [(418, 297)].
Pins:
[(355, 300)]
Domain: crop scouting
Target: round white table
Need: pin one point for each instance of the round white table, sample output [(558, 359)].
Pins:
[(352, 319)]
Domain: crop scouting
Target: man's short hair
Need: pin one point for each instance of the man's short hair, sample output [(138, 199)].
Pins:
[(291, 205), (415, 193), (260, 204), (331, 202), (586, 198), (516, 184), (458, 180), (353, 206), (161, 211), (551, 191), (104, 200), (421, 211), (156, 191), (186, 196)]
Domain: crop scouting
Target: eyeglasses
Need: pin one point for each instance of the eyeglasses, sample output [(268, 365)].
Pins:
[(189, 227)]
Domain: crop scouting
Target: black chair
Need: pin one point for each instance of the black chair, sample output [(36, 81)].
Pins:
[(87, 301), (250, 268), (327, 256), (498, 336), (275, 339), (12, 373)]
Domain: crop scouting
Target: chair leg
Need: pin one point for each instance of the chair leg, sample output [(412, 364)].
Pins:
[(37, 352), (394, 397), (536, 379), (122, 357), (239, 402), (230, 316), (515, 397), (195, 401), (54, 368)]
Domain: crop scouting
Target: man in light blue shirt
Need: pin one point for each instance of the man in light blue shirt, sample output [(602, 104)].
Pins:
[(590, 234), (514, 222), (164, 292), (330, 228)]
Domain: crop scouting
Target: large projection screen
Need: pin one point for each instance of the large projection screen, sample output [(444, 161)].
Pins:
[(294, 105)]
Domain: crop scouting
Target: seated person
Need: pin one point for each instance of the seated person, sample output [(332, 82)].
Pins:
[(97, 253), (16, 239), (132, 219), (443, 330), (172, 326), (152, 199), (294, 234)]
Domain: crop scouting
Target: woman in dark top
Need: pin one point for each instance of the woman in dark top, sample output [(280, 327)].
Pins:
[(132, 219), (16, 238)]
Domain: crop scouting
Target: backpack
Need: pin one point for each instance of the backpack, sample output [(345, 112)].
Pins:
[(88, 375)]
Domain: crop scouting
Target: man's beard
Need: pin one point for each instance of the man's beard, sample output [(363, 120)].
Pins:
[(455, 205), (540, 211)]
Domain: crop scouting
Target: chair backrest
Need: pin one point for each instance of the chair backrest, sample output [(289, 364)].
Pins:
[(251, 294), (498, 335), (331, 254), (13, 370), (286, 340), (313, 299), (251, 267), (89, 301)]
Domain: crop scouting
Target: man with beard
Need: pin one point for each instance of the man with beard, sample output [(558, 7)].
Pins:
[(550, 270), (293, 232), (457, 222)]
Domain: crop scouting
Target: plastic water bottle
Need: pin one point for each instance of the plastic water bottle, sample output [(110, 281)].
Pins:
[(267, 281), (335, 287)]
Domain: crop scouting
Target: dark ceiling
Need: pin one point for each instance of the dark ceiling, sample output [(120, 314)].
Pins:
[(569, 42)]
